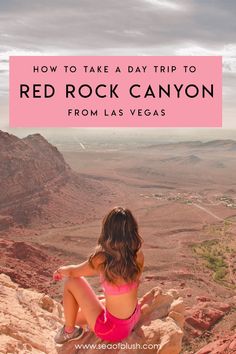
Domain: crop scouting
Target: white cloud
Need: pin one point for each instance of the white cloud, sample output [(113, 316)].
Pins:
[(6, 53), (133, 33), (228, 52), (166, 4)]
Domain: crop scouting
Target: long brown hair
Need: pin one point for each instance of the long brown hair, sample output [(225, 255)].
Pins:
[(118, 245)]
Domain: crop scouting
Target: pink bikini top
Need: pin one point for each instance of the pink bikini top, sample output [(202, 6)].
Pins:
[(111, 289)]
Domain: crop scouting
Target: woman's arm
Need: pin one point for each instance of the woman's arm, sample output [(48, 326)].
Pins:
[(78, 270)]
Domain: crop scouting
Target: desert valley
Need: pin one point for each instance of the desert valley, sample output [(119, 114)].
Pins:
[(53, 199)]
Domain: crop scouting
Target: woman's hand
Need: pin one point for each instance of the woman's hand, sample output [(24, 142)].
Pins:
[(65, 271), (57, 275)]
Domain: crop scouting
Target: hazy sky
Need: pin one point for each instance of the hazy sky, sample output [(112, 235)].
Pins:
[(111, 27)]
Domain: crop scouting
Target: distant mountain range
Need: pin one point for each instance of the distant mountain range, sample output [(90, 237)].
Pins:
[(226, 144)]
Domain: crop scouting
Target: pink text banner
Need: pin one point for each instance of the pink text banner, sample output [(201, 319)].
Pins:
[(115, 91)]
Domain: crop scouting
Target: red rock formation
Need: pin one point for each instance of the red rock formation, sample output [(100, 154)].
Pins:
[(204, 315), (28, 266), (27, 165), (38, 185), (207, 321), (225, 345)]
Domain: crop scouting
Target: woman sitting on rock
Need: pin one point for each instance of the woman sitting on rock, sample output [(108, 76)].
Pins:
[(118, 260)]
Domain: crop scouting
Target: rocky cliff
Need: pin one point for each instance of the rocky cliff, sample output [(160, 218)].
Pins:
[(159, 331), (27, 165), (29, 321), (38, 185)]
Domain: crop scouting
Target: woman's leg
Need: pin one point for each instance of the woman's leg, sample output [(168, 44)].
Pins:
[(80, 318), (78, 293), (70, 307)]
